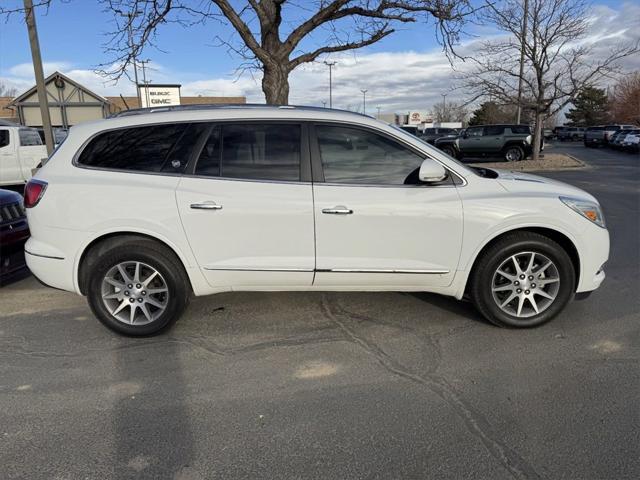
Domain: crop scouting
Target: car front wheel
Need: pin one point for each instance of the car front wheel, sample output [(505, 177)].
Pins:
[(523, 280), (513, 154), (449, 151), (137, 288)]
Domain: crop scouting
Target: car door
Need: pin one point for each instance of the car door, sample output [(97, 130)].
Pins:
[(493, 139), (471, 141), (377, 226), (31, 151), (247, 208), (9, 163)]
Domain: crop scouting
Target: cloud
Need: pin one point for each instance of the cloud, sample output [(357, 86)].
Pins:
[(396, 81)]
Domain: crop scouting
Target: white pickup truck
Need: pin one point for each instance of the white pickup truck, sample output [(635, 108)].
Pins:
[(21, 150)]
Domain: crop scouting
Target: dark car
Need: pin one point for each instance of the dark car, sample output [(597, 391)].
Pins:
[(14, 232), (571, 134), (594, 136), (511, 142), (430, 135)]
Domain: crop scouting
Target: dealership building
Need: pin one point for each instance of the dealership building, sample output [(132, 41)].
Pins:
[(71, 103)]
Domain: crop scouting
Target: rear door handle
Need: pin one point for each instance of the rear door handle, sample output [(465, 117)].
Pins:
[(209, 205), (338, 210)]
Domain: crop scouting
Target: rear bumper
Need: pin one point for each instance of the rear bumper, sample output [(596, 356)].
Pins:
[(51, 267)]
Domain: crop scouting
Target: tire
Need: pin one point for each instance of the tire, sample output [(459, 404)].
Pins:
[(138, 258), (558, 278), (513, 153), (449, 151)]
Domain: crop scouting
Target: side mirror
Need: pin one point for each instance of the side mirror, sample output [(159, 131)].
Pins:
[(431, 171)]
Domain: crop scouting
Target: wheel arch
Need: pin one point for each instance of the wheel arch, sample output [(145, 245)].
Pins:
[(83, 271), (560, 238)]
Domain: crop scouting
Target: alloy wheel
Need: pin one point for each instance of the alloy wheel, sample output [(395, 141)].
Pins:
[(135, 293), (525, 284), (513, 155)]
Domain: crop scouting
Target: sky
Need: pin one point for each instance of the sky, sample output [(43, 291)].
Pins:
[(405, 71)]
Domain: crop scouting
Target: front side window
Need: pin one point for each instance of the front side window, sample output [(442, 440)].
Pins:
[(151, 148), (474, 132), (354, 156), (29, 137), (252, 152)]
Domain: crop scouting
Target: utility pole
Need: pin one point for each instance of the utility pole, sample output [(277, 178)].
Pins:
[(144, 81), (130, 17), (330, 65), (523, 37), (30, 20), (364, 101), (444, 107)]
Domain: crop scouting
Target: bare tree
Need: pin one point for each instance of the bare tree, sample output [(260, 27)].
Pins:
[(624, 105), (7, 91), (449, 112), (265, 42), (557, 62)]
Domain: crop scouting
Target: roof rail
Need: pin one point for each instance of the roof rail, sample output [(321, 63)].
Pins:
[(221, 106)]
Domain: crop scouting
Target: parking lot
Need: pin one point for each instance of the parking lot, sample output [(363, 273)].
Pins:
[(334, 385)]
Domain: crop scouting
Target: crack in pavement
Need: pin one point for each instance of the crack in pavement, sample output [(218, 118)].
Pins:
[(475, 422)]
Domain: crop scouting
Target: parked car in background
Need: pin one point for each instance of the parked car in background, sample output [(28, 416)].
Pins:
[(21, 150), (511, 142), (571, 134), (609, 130), (547, 133), (412, 129), (429, 135), (631, 142), (137, 212), (14, 232), (594, 136), (618, 138)]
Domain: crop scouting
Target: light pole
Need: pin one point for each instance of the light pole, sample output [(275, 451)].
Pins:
[(36, 57), (330, 65), (324, 104), (364, 101), (445, 117), (378, 108), (130, 16)]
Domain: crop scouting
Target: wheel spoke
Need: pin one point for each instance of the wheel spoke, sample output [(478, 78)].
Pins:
[(145, 311), (503, 288), (544, 267), (123, 272), (154, 302), (506, 275), (136, 274), (149, 278), (123, 304), (509, 299), (530, 266), (132, 315), (516, 264), (154, 291), (520, 305), (110, 296), (544, 294), (533, 304), (115, 283), (546, 281)]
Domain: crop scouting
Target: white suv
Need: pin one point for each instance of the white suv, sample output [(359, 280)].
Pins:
[(140, 211)]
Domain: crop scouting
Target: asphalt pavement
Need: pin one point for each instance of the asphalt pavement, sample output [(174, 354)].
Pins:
[(334, 385)]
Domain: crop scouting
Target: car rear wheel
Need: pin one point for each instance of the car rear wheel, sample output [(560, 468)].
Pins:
[(523, 280), (138, 288), (513, 154)]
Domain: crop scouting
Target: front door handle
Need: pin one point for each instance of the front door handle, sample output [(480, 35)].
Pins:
[(209, 205), (339, 210)]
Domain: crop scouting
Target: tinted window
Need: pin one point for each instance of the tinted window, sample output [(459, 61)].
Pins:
[(493, 130), (357, 156), (474, 132), (29, 137), (253, 152), (595, 129), (428, 131), (520, 129), (446, 130), (145, 149)]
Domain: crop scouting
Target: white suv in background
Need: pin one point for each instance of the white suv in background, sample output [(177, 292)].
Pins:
[(140, 211)]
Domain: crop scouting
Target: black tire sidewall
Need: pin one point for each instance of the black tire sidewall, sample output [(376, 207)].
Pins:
[(514, 147), (482, 294), (165, 265)]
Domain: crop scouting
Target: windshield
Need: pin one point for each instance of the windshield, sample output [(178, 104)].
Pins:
[(430, 147)]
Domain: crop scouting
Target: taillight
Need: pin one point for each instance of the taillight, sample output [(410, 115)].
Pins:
[(33, 192)]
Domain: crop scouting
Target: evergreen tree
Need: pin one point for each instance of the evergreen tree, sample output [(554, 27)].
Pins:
[(589, 108)]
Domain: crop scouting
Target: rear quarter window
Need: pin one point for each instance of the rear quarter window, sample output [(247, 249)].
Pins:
[(29, 137), (520, 129), (152, 148)]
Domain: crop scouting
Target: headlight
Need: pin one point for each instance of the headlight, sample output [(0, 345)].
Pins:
[(589, 210)]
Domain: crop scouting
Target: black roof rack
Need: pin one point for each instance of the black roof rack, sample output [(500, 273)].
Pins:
[(223, 106)]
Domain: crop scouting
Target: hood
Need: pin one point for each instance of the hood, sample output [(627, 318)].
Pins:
[(519, 182)]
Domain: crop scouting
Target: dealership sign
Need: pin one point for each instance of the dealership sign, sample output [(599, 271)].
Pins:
[(159, 95)]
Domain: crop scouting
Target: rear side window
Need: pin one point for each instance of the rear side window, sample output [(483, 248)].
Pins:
[(520, 129), (493, 130), (252, 152), (153, 148), (595, 129), (29, 137), (4, 138)]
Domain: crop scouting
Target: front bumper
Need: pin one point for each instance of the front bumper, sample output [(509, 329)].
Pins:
[(12, 239)]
